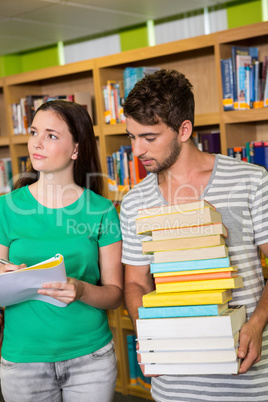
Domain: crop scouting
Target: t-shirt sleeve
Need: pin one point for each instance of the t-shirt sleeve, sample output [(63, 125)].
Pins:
[(4, 239), (132, 247), (109, 228), (259, 211)]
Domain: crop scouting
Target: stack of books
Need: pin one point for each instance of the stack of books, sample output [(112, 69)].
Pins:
[(185, 325)]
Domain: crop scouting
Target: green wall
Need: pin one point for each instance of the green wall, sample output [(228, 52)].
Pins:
[(29, 61), (242, 13), (134, 38)]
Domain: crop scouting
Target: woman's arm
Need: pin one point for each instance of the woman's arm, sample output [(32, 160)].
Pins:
[(106, 296)]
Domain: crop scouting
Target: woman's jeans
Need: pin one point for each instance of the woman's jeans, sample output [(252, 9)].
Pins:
[(89, 378)]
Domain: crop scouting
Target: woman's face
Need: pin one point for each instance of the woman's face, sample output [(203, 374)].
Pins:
[(51, 146)]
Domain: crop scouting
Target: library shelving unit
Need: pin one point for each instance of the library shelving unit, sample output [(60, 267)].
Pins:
[(198, 58)]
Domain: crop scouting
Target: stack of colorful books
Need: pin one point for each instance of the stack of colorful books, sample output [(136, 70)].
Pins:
[(185, 325)]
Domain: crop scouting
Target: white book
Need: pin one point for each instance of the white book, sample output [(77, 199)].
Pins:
[(226, 324), (208, 343), (192, 368)]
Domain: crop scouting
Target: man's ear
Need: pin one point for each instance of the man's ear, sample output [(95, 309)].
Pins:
[(185, 130), (75, 153)]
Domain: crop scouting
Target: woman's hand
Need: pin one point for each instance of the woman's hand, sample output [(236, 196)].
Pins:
[(11, 267), (64, 292)]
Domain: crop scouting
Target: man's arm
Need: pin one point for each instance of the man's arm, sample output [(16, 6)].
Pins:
[(251, 333), (138, 282)]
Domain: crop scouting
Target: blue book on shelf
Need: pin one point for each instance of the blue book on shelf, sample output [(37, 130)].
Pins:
[(227, 84), (132, 358), (182, 311), (157, 267)]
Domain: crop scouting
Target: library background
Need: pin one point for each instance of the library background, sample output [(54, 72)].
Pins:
[(222, 49)]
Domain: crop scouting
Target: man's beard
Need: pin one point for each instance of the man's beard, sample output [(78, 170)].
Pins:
[(174, 151)]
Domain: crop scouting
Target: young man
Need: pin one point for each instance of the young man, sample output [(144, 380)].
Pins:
[(160, 117)]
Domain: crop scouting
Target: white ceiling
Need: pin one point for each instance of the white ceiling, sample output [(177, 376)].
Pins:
[(29, 24)]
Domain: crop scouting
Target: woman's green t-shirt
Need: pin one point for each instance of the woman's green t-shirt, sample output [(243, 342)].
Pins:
[(36, 331)]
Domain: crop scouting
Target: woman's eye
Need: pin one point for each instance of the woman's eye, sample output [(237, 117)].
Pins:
[(53, 137), (33, 132)]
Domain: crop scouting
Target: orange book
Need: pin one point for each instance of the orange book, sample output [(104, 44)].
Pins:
[(195, 277)]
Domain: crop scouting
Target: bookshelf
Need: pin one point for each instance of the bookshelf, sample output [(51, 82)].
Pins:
[(198, 58)]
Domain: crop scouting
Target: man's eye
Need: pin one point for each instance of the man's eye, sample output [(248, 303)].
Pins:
[(150, 139)]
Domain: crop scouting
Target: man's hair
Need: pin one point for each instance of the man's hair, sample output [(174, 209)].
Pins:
[(165, 95)]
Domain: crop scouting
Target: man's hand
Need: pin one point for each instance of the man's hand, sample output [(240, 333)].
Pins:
[(250, 346)]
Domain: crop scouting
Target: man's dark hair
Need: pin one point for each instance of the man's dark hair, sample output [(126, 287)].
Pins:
[(165, 95)]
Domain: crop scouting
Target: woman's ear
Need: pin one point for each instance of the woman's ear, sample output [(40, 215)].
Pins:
[(75, 153), (185, 130)]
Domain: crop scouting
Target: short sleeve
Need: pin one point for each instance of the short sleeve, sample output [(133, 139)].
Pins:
[(4, 239), (259, 212), (132, 246), (110, 231)]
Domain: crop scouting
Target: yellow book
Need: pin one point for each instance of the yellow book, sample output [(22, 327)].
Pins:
[(201, 216), (211, 284), (195, 271), (190, 254), (149, 247), (154, 299)]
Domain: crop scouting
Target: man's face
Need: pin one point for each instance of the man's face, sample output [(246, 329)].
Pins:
[(156, 146)]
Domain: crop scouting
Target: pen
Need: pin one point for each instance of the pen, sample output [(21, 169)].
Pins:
[(3, 261)]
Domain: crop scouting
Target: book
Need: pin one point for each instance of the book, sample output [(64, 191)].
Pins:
[(151, 246), (227, 270), (210, 284), (188, 356), (132, 357), (211, 142), (201, 216), (190, 254), (192, 368), (195, 277), (19, 286), (189, 265), (167, 209), (242, 61), (182, 311), (226, 324), (218, 296), (205, 343), (227, 84)]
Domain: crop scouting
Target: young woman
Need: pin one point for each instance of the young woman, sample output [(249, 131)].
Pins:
[(54, 353)]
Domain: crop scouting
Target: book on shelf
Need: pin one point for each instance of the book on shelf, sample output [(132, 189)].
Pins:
[(191, 254), (132, 75), (136, 375), (196, 217), (226, 324), (197, 285), (218, 296), (186, 277), (188, 356), (182, 311), (243, 63), (192, 368), (211, 142), (172, 208), (190, 231), (240, 51), (113, 102), (204, 343), (227, 84), (152, 246), (6, 177), (189, 265), (22, 285)]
